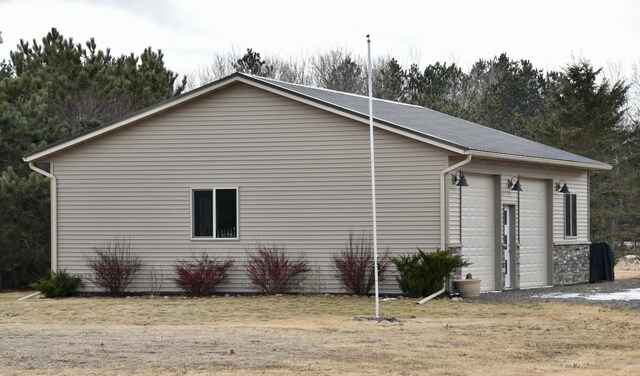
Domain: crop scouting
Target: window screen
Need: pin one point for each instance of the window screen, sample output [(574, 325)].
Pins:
[(226, 213)]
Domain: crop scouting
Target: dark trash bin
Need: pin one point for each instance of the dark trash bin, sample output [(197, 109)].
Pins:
[(600, 262)]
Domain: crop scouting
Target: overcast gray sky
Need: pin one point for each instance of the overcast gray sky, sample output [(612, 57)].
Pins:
[(190, 32)]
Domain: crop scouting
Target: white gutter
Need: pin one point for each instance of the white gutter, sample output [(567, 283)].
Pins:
[(544, 161), (54, 214), (443, 232)]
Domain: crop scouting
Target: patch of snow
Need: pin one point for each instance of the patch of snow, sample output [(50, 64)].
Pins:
[(633, 294), (632, 257), (559, 295)]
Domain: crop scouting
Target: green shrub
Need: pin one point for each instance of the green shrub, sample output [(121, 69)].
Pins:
[(422, 274), (58, 285)]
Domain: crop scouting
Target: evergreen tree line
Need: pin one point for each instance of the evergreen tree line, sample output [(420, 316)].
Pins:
[(56, 88)]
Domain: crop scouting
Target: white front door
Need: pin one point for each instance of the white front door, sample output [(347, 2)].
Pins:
[(506, 245)]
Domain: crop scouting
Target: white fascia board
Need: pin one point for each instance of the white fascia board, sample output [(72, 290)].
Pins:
[(550, 162)]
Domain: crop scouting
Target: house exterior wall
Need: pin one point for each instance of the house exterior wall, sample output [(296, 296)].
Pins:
[(303, 179), (569, 254)]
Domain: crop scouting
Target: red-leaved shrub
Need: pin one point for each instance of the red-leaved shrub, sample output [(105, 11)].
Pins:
[(201, 275), (272, 271), (114, 266), (353, 265)]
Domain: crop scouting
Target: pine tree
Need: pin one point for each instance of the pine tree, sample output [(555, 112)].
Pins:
[(442, 87), (388, 80), (414, 86), (51, 89), (587, 118), (510, 95), (252, 63)]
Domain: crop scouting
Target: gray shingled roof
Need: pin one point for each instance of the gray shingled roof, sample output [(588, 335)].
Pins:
[(434, 125)]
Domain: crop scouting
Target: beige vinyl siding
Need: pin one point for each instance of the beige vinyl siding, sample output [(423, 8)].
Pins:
[(576, 180), (302, 174)]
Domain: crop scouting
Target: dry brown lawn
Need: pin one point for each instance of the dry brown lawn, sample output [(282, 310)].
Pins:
[(627, 269), (312, 335)]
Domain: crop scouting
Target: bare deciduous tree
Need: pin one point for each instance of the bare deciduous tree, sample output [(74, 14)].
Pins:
[(340, 70), (221, 66), (87, 108), (292, 70), (634, 93)]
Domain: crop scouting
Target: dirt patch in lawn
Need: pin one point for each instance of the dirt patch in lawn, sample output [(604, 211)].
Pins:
[(311, 335)]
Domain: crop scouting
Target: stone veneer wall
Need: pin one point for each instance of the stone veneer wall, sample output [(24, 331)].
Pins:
[(570, 263), (516, 266)]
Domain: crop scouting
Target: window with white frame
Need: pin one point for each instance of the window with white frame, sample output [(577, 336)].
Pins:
[(214, 213), (570, 215)]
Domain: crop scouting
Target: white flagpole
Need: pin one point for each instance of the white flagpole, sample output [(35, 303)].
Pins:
[(373, 180)]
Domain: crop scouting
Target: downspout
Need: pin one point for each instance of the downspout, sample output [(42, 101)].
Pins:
[(444, 287), (54, 214), (443, 232)]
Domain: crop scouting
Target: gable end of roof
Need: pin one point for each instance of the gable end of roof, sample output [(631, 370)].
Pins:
[(432, 127)]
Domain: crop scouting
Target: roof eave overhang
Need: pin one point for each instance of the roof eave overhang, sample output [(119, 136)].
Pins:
[(541, 161)]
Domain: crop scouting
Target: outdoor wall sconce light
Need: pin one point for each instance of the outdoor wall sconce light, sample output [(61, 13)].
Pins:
[(459, 180), (514, 184), (563, 188)]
